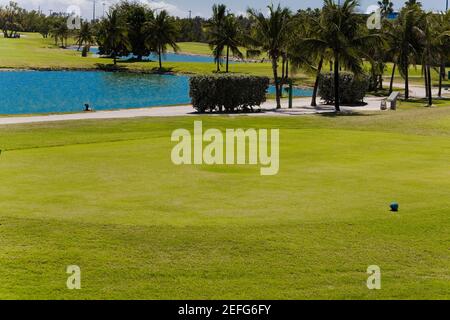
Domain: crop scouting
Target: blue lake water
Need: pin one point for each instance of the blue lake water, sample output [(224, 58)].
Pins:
[(296, 92), (169, 57), (24, 92)]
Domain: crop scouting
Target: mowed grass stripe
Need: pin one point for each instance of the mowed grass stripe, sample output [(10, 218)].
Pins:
[(308, 260)]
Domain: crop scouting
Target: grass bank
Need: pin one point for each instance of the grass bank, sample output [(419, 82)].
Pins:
[(31, 51)]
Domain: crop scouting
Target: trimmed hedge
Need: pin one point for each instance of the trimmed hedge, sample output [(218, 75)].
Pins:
[(352, 89), (227, 92)]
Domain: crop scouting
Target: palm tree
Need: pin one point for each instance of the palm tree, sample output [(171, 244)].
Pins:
[(429, 52), (304, 56), (231, 38), (61, 32), (215, 29), (386, 6), (270, 35), (54, 34), (162, 32), (435, 48), (404, 41), (85, 36), (341, 33), (113, 36), (413, 3), (225, 35), (136, 14), (442, 27)]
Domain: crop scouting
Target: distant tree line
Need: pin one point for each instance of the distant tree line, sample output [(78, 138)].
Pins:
[(14, 19)]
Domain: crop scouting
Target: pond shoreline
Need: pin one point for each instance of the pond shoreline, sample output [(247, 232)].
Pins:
[(89, 69), (231, 58), (120, 70)]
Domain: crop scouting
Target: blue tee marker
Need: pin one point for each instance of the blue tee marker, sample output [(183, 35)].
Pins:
[(394, 207)]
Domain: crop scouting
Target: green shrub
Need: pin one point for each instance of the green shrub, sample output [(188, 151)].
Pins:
[(352, 89), (227, 92)]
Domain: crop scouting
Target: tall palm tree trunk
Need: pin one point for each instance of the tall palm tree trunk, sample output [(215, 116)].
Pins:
[(286, 74), (316, 84), (228, 57), (425, 72), (277, 83), (287, 69), (407, 80), (336, 83), (391, 86), (283, 75), (160, 59), (441, 75), (430, 84)]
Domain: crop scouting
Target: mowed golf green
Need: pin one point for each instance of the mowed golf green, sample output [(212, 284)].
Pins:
[(104, 195)]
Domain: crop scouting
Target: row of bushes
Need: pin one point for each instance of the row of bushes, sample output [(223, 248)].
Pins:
[(232, 93), (227, 92)]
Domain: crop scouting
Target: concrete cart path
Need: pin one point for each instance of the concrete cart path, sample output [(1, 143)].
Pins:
[(301, 107)]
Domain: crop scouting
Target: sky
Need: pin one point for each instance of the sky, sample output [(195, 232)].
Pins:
[(202, 8)]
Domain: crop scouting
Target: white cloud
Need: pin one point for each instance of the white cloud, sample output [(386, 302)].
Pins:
[(162, 5)]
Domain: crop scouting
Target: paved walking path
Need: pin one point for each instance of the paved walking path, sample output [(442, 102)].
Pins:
[(301, 107), (416, 91)]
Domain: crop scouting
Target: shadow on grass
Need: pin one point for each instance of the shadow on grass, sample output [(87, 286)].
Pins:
[(136, 60), (110, 67), (163, 70), (122, 67), (384, 92), (346, 114)]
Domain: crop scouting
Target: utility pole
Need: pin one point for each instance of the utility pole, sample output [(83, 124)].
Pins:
[(93, 12), (190, 14)]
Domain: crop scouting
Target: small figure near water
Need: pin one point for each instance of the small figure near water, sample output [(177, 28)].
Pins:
[(87, 108)]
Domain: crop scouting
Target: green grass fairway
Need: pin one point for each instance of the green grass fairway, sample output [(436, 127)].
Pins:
[(415, 76), (105, 195), (32, 51), (200, 48)]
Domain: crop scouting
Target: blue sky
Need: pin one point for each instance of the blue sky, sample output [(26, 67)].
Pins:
[(202, 6), (198, 7)]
